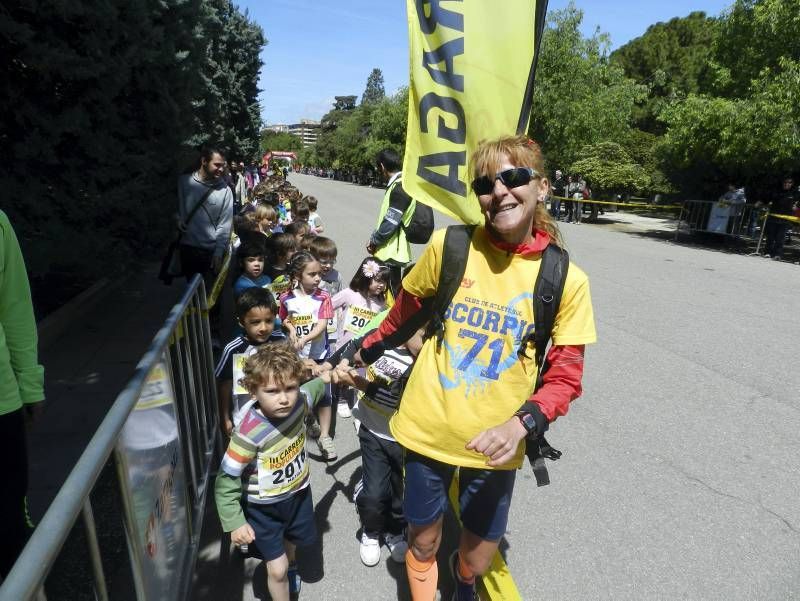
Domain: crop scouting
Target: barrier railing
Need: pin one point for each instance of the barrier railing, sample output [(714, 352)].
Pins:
[(737, 220), (162, 430)]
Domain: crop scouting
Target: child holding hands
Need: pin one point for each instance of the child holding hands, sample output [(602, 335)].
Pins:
[(356, 306), (267, 451), (306, 310)]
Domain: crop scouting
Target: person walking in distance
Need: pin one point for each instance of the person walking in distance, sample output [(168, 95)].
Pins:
[(559, 187)]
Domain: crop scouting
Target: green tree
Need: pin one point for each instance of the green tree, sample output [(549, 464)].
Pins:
[(374, 92), (272, 141), (580, 97), (671, 58), (609, 169), (228, 112), (351, 138), (754, 37), (388, 122), (642, 148), (711, 141), (746, 131)]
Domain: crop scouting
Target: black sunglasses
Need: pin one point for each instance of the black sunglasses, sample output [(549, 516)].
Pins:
[(511, 178)]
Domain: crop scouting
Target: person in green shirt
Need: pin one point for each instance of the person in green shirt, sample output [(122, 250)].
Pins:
[(21, 393)]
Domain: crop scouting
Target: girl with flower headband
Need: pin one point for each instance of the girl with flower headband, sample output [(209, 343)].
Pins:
[(357, 305)]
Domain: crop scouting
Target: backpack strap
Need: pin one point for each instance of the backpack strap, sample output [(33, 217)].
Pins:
[(454, 263), (547, 293)]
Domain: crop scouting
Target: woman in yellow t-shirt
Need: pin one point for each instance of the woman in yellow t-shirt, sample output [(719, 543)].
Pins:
[(469, 402)]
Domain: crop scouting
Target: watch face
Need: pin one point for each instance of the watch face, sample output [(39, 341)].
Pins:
[(528, 421)]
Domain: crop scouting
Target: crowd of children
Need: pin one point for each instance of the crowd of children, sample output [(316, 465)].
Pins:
[(280, 377)]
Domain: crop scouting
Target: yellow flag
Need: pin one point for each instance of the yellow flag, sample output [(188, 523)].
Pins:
[(472, 68)]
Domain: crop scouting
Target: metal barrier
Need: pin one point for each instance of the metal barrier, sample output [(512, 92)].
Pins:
[(737, 220), (162, 430)]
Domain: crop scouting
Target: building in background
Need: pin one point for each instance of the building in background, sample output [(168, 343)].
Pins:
[(307, 130)]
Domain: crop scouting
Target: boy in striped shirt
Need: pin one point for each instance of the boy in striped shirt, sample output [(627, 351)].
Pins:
[(279, 513)]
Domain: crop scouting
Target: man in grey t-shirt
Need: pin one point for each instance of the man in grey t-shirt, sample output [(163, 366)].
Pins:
[(207, 232)]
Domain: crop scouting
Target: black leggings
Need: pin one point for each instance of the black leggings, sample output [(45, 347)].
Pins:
[(14, 524)]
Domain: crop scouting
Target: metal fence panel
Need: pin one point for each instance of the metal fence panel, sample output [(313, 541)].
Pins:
[(155, 482), (162, 429)]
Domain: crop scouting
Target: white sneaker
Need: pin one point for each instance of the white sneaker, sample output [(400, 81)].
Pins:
[(370, 550), (343, 411), (397, 546)]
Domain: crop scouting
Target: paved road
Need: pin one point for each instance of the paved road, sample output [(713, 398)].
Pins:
[(679, 478)]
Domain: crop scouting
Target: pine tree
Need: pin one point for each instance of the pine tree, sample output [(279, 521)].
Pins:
[(374, 92)]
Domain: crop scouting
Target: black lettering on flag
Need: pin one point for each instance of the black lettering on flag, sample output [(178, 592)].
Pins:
[(431, 100), (449, 182), (445, 54), (436, 15)]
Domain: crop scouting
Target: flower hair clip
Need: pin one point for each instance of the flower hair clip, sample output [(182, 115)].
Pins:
[(370, 269)]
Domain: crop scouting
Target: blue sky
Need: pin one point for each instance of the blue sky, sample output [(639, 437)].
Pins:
[(319, 49)]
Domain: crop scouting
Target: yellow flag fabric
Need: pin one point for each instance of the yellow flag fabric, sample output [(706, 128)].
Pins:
[(472, 67)]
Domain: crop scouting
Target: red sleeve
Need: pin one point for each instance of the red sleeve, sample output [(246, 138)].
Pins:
[(326, 310), (391, 332), (562, 380), (405, 305)]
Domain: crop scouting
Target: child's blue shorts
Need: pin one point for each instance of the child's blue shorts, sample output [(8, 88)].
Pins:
[(484, 495), (292, 519)]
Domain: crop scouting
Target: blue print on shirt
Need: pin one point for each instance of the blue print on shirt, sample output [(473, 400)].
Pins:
[(491, 327)]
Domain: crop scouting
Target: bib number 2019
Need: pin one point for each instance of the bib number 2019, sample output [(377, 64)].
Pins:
[(288, 472)]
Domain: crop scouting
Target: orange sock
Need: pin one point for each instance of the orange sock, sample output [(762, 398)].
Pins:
[(464, 573), (423, 576)]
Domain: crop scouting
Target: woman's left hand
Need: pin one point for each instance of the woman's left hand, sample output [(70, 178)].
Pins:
[(500, 443)]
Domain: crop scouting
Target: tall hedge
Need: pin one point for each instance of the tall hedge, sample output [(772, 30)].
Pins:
[(105, 102)]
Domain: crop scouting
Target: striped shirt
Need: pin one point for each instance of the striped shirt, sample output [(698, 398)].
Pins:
[(277, 446), (380, 401)]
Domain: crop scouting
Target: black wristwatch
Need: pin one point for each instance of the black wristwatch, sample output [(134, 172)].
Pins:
[(527, 420)]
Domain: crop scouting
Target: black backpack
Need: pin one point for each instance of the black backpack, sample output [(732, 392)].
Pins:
[(547, 292), (420, 228)]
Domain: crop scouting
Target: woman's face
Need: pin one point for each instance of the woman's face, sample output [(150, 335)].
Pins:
[(509, 212)]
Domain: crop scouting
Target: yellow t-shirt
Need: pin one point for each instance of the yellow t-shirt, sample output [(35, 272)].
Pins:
[(476, 381)]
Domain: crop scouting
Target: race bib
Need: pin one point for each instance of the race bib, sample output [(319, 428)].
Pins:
[(303, 324), (284, 469), (356, 318), (156, 391), (332, 327), (238, 373), (279, 286)]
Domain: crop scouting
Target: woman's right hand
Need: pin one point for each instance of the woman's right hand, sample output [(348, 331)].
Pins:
[(227, 427)]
